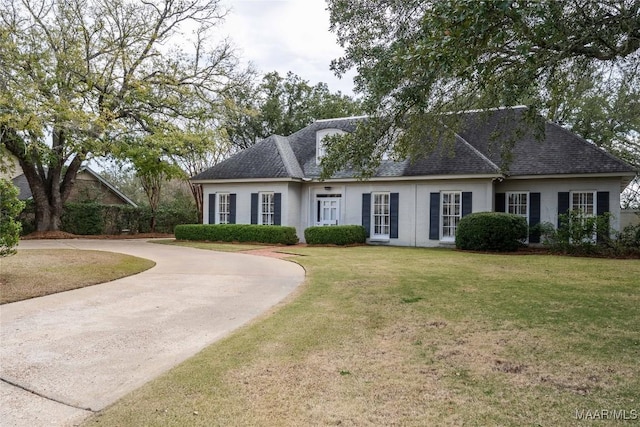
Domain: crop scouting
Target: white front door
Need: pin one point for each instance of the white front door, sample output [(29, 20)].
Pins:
[(328, 211)]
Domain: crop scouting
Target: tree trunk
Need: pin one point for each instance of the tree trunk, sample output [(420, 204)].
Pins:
[(196, 191), (49, 188), (152, 185)]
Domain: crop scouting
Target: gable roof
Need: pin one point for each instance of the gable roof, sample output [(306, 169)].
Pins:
[(21, 182), (495, 142)]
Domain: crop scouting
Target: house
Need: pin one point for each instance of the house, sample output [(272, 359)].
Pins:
[(89, 186), (419, 202)]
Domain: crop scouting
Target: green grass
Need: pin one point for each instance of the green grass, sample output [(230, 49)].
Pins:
[(220, 247), (38, 272), (401, 336)]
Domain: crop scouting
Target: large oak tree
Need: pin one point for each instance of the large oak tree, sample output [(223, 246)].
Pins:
[(281, 106), (575, 61), (77, 77)]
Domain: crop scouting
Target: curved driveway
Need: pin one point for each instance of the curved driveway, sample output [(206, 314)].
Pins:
[(65, 355)]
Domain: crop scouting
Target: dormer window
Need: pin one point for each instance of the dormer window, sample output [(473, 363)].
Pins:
[(320, 145)]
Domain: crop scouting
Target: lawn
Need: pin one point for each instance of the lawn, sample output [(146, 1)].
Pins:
[(402, 336), (220, 247), (36, 272)]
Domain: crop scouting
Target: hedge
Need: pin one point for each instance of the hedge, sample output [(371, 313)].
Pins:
[(275, 234), (335, 235), (90, 218), (83, 218), (491, 231)]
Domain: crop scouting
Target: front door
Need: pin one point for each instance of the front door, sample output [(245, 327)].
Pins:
[(328, 211)]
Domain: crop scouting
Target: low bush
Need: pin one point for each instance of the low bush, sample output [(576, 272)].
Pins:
[(335, 235), (491, 231), (579, 234), (275, 234)]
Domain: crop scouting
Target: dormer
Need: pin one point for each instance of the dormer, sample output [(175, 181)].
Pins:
[(320, 146)]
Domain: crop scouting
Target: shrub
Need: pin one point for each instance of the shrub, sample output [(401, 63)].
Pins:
[(579, 234), (83, 218), (28, 217), (491, 231), (275, 234), (122, 218), (171, 214), (10, 207), (335, 235)]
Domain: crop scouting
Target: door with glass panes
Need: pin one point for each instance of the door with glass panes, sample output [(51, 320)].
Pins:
[(328, 211)]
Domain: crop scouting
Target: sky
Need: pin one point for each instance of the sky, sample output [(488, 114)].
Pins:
[(286, 35)]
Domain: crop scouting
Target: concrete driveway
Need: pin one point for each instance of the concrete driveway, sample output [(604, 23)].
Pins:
[(67, 355)]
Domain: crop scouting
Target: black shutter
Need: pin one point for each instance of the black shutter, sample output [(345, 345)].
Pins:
[(254, 208), (232, 208), (277, 208), (212, 208), (393, 208), (534, 217), (366, 213), (467, 202), (563, 204), (501, 202), (318, 211), (434, 216), (603, 203), (602, 207)]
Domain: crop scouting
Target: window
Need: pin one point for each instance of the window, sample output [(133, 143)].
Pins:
[(451, 214), (321, 149), (223, 208), (267, 209), (518, 204), (583, 201), (381, 216)]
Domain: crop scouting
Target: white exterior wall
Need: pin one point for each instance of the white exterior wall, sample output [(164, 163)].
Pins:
[(549, 189), (299, 199), (413, 213), (292, 209), (243, 198)]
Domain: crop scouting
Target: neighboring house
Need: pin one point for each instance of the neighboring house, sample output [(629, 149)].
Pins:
[(89, 186), (419, 202)]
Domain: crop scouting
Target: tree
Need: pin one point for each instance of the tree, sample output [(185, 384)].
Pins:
[(152, 167), (10, 208), (196, 149), (576, 61), (281, 105), (79, 76)]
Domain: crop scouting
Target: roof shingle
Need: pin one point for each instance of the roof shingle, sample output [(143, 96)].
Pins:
[(488, 142)]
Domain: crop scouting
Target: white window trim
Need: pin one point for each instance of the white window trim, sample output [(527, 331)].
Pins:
[(261, 213), (218, 211), (444, 238), (526, 216), (594, 204), (586, 215), (380, 237), (528, 201)]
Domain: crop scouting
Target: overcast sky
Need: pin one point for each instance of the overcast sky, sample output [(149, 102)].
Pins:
[(286, 35)]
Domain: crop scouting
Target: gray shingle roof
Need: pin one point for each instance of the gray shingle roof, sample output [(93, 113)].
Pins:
[(22, 184), (262, 160), (504, 133), (488, 142)]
